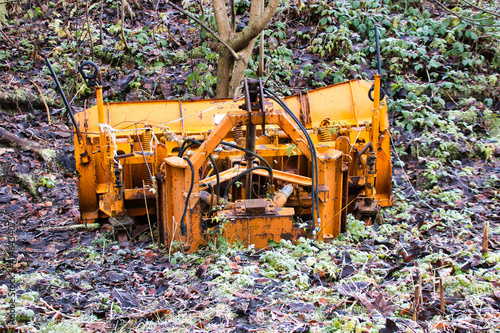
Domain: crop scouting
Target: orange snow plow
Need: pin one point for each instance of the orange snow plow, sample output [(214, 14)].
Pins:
[(253, 169)]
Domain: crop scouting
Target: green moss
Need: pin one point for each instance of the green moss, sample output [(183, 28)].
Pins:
[(65, 326), (26, 182), (179, 57)]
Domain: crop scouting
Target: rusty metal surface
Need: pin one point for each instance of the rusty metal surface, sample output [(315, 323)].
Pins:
[(349, 121), (138, 194), (286, 176), (224, 176), (254, 207), (258, 230)]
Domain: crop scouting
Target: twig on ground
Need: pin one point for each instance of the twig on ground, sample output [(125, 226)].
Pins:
[(441, 295), (482, 9), (7, 37), (89, 226), (43, 99), (466, 19), (484, 249), (54, 310)]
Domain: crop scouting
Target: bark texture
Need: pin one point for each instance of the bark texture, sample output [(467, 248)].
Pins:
[(231, 70)]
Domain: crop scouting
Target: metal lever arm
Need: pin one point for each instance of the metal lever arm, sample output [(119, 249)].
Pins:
[(84, 155), (379, 68), (63, 96)]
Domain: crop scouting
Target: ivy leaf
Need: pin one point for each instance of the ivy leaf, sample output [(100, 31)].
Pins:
[(362, 28)]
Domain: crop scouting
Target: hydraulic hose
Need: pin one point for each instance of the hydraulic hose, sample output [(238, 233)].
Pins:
[(183, 225), (225, 143), (214, 165), (262, 159), (314, 164)]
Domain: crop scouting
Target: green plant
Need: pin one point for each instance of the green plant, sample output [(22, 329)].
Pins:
[(46, 181), (431, 174), (356, 228), (291, 149), (201, 81)]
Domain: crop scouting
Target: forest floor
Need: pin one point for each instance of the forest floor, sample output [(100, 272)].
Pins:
[(424, 269)]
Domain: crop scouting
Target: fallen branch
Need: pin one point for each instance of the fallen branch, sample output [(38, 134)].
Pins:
[(234, 54), (89, 226), (43, 99), (21, 142), (7, 38), (47, 154), (486, 228)]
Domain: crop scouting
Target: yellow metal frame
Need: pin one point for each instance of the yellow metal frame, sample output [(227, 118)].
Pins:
[(112, 134)]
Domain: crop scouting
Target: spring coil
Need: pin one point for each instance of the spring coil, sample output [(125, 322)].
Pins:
[(238, 135), (146, 146), (325, 135)]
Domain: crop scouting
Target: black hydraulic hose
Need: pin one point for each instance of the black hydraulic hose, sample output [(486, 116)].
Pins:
[(183, 225), (63, 96), (313, 153), (377, 47), (238, 177), (267, 166), (214, 165), (184, 146), (262, 159), (314, 164)]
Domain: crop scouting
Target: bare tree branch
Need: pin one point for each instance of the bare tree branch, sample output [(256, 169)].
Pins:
[(242, 39), (233, 17), (130, 12), (43, 99), (122, 24), (482, 9), (234, 54), (221, 18), (466, 19)]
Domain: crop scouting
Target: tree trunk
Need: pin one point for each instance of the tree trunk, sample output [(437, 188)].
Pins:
[(240, 68), (224, 71), (231, 72)]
